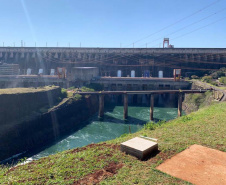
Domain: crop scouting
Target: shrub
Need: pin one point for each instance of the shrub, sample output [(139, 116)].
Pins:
[(124, 135), (223, 80), (194, 77), (214, 83), (186, 118), (223, 69), (153, 125), (86, 89), (77, 96), (63, 93), (217, 74), (71, 88), (207, 79), (198, 98)]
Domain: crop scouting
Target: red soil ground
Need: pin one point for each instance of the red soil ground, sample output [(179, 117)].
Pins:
[(198, 165)]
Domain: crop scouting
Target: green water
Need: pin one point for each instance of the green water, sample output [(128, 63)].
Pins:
[(112, 126)]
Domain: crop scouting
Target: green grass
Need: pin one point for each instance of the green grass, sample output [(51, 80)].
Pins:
[(205, 127), (223, 88), (25, 90), (220, 87)]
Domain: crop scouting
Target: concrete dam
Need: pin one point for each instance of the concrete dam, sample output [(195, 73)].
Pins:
[(39, 66), (110, 60)]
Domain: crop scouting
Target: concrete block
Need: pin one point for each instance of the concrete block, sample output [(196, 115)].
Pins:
[(139, 147)]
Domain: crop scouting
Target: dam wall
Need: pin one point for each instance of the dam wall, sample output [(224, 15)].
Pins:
[(46, 128), (110, 60)]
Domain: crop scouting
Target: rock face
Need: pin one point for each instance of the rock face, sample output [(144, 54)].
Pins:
[(46, 128), (18, 105), (192, 102)]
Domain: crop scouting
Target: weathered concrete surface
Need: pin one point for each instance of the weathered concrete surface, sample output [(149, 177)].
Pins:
[(198, 165), (140, 83), (139, 147)]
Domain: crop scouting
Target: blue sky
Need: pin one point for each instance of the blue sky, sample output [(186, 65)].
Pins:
[(113, 23)]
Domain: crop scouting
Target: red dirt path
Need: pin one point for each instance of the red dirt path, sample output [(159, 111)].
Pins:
[(198, 165)]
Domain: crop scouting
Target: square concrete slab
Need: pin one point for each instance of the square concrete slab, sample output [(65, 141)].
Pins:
[(139, 147), (198, 165)]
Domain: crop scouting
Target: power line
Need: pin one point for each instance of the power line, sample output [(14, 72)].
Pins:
[(200, 28), (188, 25), (175, 22)]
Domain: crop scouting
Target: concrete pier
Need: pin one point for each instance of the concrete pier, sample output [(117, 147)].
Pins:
[(152, 93), (179, 104), (125, 113), (101, 106), (151, 107)]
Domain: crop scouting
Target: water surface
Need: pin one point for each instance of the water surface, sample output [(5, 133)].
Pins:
[(95, 130)]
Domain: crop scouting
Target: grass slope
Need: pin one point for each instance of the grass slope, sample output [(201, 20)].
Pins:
[(26, 90), (105, 164)]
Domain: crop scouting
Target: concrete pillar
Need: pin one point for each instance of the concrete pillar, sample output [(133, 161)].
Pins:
[(56, 55), (101, 105), (125, 113), (96, 57), (90, 57), (11, 55), (67, 55), (180, 105), (152, 107)]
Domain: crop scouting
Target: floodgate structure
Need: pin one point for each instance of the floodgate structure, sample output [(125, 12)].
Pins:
[(32, 66)]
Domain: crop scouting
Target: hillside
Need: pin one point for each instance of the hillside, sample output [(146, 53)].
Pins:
[(104, 163)]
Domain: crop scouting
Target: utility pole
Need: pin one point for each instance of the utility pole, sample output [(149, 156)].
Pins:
[(57, 44), (22, 43), (46, 44), (3, 44)]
